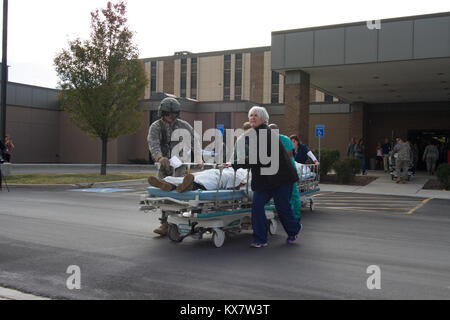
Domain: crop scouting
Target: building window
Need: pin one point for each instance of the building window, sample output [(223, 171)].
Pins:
[(194, 78), (275, 96), (328, 98), (226, 77), (153, 78), (238, 77), (183, 78)]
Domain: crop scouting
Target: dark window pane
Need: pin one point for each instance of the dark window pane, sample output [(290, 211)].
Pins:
[(227, 79), (238, 78), (193, 81), (274, 98), (275, 77)]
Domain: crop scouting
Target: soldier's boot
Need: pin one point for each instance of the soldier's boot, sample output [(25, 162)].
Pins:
[(163, 229), (161, 184), (187, 184)]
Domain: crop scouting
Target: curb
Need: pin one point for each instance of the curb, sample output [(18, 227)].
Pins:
[(355, 189)]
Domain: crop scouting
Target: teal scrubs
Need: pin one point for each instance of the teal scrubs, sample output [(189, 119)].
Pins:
[(295, 199)]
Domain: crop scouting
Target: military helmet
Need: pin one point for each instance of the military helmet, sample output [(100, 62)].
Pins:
[(167, 106)]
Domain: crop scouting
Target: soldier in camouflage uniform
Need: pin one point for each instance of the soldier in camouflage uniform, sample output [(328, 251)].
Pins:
[(403, 160), (161, 146)]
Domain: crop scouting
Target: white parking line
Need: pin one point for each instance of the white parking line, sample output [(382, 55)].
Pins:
[(9, 294)]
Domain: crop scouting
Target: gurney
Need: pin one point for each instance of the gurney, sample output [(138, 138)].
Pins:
[(308, 184), (200, 212)]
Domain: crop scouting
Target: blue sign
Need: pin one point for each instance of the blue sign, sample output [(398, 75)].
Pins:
[(220, 129), (320, 130)]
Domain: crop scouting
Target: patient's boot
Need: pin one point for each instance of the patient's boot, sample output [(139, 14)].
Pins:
[(187, 184), (161, 184), (163, 229)]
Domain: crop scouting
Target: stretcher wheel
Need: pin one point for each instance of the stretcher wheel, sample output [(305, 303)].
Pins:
[(173, 233), (273, 224), (218, 237)]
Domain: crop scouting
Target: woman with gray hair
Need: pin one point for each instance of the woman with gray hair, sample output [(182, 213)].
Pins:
[(260, 112), (266, 186)]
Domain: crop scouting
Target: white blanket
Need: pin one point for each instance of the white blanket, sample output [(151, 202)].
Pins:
[(210, 178), (303, 171)]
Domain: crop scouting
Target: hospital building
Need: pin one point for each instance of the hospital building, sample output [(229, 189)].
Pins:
[(370, 80)]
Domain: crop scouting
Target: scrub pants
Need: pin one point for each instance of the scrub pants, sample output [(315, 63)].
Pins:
[(296, 202), (281, 196)]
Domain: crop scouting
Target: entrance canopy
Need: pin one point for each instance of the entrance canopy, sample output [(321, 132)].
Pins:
[(398, 60)]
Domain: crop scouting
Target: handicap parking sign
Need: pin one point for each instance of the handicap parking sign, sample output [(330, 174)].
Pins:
[(220, 129), (320, 130)]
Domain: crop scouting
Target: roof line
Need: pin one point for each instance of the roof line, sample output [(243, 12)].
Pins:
[(211, 53), (352, 24)]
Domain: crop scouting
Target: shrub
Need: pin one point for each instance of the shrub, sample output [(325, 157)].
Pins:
[(443, 175), (346, 169), (355, 164), (327, 159)]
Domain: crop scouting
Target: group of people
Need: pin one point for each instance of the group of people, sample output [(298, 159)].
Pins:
[(280, 186), (402, 156), (5, 154), (357, 150)]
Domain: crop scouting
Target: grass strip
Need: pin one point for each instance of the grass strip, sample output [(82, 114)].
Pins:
[(73, 178)]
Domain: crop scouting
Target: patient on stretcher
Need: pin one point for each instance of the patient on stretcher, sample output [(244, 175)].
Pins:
[(203, 180)]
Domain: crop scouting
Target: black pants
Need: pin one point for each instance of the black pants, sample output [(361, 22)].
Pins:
[(198, 186)]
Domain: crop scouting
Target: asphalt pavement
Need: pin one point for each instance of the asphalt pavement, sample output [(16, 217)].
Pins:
[(43, 233)]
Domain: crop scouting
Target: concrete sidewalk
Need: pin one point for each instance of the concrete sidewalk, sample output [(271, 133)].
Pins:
[(384, 185)]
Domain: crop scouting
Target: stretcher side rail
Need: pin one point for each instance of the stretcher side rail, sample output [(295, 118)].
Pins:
[(308, 185)]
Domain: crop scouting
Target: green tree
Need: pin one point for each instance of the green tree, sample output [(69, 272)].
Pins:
[(102, 79)]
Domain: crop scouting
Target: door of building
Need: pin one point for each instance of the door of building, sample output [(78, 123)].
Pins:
[(424, 137)]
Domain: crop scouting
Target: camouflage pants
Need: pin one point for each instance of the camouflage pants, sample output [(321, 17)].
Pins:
[(431, 164), (402, 167)]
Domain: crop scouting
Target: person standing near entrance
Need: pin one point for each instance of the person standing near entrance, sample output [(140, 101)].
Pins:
[(351, 148), (403, 160), (160, 145), (430, 156), (360, 154), (386, 146)]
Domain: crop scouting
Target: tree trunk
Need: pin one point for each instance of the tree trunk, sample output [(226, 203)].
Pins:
[(104, 156)]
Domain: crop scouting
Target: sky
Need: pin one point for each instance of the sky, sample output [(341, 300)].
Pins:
[(39, 30)]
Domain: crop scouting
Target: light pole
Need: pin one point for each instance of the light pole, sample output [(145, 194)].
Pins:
[(4, 71)]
